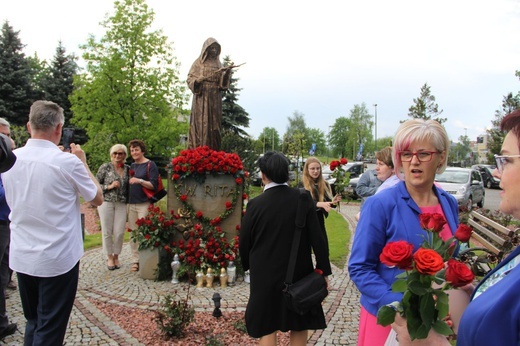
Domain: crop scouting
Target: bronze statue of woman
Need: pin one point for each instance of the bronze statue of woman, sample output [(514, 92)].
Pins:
[(207, 79)]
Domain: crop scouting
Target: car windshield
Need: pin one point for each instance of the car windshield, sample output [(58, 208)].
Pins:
[(457, 177)]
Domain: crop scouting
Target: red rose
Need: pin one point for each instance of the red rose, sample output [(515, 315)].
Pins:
[(176, 176), (458, 274), (343, 161), (428, 261), (198, 215), (238, 181), (463, 233), (131, 172), (432, 222), (184, 198), (146, 236), (229, 205), (334, 165), (397, 253)]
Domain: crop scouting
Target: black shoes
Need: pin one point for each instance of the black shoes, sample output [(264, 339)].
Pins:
[(9, 330)]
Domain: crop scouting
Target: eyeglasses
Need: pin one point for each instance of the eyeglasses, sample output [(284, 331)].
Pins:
[(118, 153), (503, 160), (422, 156)]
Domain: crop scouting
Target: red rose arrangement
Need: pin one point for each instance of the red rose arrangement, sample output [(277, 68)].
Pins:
[(206, 245), (428, 272), (154, 230), (198, 163)]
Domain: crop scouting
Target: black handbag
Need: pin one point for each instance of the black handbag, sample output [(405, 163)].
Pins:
[(308, 292)]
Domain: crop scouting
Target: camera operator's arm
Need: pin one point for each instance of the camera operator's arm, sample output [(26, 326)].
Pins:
[(76, 150)]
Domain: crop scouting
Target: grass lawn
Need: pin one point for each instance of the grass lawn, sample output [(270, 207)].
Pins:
[(339, 237)]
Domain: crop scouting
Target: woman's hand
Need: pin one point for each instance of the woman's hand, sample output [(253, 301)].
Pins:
[(115, 184), (134, 180), (433, 339), (324, 205)]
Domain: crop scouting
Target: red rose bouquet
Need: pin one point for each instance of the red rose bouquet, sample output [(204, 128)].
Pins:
[(425, 279), (342, 177), (155, 229)]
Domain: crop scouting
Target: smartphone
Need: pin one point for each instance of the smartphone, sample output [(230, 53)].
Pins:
[(68, 137)]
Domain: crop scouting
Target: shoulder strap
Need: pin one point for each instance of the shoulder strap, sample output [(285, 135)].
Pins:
[(300, 225)]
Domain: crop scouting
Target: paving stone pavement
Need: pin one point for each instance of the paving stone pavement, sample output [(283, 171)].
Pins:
[(89, 326)]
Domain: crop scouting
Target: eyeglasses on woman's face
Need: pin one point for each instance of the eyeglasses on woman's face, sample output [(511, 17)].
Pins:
[(118, 153), (503, 160), (422, 156)]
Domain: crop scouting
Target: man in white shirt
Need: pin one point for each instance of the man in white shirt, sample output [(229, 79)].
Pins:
[(43, 190)]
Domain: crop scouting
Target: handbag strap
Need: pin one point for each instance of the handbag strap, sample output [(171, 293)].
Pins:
[(148, 170), (300, 225)]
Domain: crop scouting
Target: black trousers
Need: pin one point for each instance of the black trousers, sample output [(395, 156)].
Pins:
[(47, 303), (4, 272)]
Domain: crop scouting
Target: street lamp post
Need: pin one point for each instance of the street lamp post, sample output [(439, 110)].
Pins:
[(375, 106)]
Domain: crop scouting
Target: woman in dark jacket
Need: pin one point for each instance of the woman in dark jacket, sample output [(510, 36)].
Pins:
[(266, 237)]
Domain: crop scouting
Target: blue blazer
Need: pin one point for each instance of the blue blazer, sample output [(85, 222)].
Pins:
[(493, 318), (388, 216)]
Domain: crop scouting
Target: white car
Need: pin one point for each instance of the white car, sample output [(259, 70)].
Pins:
[(465, 184)]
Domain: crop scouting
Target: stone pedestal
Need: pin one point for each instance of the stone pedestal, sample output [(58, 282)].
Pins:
[(148, 262), (210, 197)]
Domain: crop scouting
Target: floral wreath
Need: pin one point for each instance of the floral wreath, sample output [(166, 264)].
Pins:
[(198, 163), (204, 231)]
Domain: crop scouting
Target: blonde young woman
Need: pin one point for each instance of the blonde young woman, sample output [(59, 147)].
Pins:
[(319, 188), (113, 177)]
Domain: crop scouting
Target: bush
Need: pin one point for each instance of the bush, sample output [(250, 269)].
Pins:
[(175, 315)]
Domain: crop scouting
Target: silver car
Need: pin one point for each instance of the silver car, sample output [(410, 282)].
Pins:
[(465, 184)]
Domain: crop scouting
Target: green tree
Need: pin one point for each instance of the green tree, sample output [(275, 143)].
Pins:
[(233, 115), (16, 91), (57, 83), (338, 136), (234, 143), (460, 151), (424, 106), (316, 136), (510, 102), (294, 137), (131, 87), (268, 140), (360, 129)]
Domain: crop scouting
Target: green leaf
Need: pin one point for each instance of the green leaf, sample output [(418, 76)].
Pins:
[(399, 285), (442, 328), (421, 332), (427, 309), (419, 288), (402, 275), (442, 304), (386, 315)]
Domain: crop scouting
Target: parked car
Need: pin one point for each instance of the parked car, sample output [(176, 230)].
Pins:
[(487, 175), (256, 178), (351, 188), (465, 184)]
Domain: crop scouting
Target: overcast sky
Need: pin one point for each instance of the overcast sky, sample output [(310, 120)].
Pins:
[(322, 58)]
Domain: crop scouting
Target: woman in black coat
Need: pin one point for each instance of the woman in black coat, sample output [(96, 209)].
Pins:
[(266, 237)]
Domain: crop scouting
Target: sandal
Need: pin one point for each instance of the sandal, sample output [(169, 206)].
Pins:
[(135, 267), (110, 264), (117, 265)]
